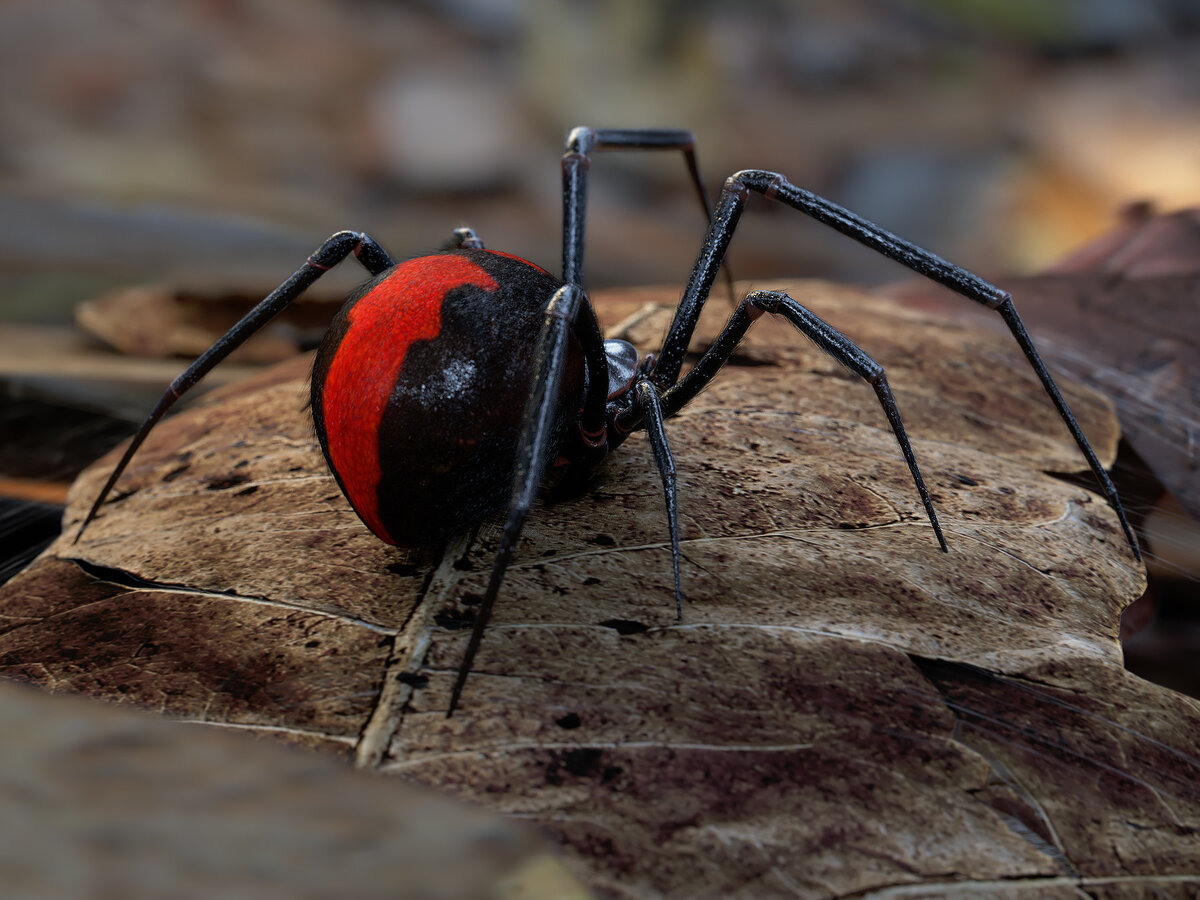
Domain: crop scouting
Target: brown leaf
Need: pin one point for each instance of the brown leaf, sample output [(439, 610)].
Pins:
[(843, 708), (157, 320)]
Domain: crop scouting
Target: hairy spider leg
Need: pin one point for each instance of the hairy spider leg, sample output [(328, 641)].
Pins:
[(775, 187), (827, 338), (335, 249), (581, 142), (567, 313)]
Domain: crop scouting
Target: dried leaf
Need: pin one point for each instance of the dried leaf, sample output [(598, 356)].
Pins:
[(157, 320), (843, 708)]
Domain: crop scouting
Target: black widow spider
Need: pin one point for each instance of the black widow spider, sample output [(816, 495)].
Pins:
[(434, 407)]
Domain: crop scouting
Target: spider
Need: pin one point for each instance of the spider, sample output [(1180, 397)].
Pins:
[(436, 406)]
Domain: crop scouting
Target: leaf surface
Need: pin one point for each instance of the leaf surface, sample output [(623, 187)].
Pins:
[(843, 709)]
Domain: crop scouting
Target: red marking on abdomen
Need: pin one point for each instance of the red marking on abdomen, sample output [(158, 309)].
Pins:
[(403, 308)]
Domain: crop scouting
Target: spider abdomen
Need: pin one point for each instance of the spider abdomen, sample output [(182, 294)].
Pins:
[(420, 385)]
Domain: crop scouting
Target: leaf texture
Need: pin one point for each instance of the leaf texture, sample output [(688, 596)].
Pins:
[(844, 710)]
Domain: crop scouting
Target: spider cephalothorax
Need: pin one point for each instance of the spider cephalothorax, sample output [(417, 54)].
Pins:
[(449, 384)]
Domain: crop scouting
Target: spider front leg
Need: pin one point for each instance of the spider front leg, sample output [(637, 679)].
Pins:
[(576, 161), (826, 337), (365, 248), (648, 410), (581, 143), (568, 313), (775, 187)]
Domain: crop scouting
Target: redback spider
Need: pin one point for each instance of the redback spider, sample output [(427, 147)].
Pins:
[(435, 405)]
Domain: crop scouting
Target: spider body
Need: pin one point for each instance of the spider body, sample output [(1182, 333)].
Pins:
[(419, 388), (448, 385)]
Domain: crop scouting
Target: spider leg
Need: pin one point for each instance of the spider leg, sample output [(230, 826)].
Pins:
[(593, 418), (533, 446), (581, 142), (775, 187), (368, 252), (826, 337), (647, 398)]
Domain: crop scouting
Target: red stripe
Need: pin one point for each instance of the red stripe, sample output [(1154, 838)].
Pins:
[(403, 308)]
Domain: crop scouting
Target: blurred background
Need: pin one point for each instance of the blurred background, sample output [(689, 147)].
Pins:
[(208, 138), (214, 143)]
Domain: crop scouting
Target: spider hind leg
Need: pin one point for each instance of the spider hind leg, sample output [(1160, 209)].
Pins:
[(368, 252)]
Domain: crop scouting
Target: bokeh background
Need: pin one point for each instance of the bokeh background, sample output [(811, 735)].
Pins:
[(201, 139)]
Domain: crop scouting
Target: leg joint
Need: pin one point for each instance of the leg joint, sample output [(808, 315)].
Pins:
[(736, 188), (769, 184), (999, 298), (759, 302), (580, 142), (334, 250), (576, 161)]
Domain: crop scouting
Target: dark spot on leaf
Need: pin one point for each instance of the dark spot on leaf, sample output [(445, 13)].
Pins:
[(413, 679), (625, 626), (591, 580), (241, 464), (603, 540), (244, 491), (176, 472), (570, 720), (311, 644), (581, 762), (454, 619), (146, 648), (966, 479), (229, 481), (247, 680)]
